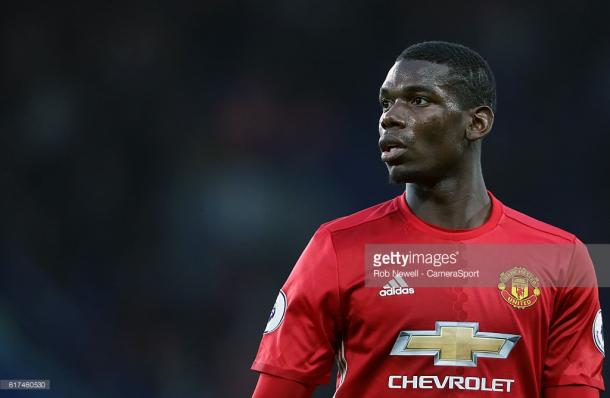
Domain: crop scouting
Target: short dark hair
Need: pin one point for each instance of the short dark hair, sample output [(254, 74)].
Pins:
[(470, 73)]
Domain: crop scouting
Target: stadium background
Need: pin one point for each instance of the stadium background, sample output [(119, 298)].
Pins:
[(164, 164)]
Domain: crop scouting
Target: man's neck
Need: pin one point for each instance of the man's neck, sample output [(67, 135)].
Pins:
[(452, 203)]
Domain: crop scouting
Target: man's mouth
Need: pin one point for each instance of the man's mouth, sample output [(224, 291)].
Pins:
[(392, 155), (391, 148)]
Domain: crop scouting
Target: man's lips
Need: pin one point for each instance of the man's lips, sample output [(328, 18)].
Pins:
[(393, 154), (391, 148)]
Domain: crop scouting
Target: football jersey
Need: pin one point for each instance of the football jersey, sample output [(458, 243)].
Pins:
[(512, 339)]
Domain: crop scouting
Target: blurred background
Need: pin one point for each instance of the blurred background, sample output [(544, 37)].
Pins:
[(163, 165)]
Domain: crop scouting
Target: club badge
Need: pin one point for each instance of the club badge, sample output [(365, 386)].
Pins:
[(519, 287)]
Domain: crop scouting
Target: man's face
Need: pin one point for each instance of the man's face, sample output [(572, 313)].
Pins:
[(422, 124)]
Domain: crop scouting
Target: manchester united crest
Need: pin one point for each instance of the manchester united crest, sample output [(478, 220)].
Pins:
[(519, 287)]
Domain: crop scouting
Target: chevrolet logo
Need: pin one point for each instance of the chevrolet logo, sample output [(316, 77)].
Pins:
[(455, 343)]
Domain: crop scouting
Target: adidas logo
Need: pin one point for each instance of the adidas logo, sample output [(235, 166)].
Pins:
[(396, 286)]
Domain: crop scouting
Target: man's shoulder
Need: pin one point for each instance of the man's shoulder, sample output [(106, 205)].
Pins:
[(363, 217), (538, 227)]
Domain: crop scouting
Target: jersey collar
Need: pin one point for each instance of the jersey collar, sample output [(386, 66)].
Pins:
[(452, 234)]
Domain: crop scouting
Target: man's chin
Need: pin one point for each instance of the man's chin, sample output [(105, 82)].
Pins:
[(402, 175), (398, 175)]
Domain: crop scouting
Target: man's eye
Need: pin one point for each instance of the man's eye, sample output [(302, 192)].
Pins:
[(420, 101)]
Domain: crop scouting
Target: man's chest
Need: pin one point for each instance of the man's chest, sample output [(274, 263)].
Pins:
[(374, 317)]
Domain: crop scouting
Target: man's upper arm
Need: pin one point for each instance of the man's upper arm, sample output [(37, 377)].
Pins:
[(301, 337), (574, 352), (269, 386)]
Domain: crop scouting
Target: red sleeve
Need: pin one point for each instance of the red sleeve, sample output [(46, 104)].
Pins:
[(301, 337), (571, 392), (269, 386), (574, 352)]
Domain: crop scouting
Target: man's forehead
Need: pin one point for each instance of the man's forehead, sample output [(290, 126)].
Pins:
[(406, 73)]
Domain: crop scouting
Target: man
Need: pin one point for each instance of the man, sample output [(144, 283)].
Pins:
[(519, 339)]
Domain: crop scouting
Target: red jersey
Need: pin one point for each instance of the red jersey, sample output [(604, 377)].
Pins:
[(513, 339)]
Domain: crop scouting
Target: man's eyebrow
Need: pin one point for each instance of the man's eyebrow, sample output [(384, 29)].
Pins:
[(403, 90)]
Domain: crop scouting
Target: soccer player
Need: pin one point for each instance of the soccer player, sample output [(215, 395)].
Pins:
[(516, 339)]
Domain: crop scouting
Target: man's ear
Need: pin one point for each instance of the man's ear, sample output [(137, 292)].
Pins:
[(481, 121)]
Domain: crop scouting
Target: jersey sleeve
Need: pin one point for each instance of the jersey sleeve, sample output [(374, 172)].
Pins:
[(574, 353), (300, 339)]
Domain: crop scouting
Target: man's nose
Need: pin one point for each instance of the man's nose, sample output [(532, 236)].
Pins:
[(391, 120)]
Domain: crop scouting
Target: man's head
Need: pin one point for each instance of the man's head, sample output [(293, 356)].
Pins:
[(438, 101)]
